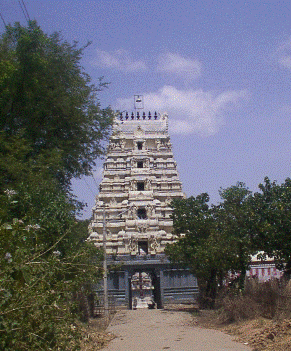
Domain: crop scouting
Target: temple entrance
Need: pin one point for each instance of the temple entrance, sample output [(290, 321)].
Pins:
[(145, 290), (142, 291)]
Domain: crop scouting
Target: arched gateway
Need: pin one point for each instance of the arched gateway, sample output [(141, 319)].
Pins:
[(142, 290), (140, 179)]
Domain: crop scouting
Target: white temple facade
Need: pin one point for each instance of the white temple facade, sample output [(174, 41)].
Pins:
[(140, 179)]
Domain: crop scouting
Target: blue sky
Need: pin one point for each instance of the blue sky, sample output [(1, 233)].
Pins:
[(221, 69)]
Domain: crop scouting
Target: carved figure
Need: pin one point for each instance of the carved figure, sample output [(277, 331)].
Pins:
[(168, 201), (133, 245), (122, 144), (149, 210), (133, 211), (113, 202), (148, 184), (142, 228), (158, 143), (155, 243), (127, 244)]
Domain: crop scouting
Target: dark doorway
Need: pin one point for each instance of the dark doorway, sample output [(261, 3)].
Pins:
[(143, 247), (141, 213), (140, 186), (157, 290)]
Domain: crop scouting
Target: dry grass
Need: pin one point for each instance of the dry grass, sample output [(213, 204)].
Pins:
[(95, 336), (260, 317), (260, 334), (271, 300), (237, 308), (263, 334)]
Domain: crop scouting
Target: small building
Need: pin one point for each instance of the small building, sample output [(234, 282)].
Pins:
[(140, 179), (264, 269)]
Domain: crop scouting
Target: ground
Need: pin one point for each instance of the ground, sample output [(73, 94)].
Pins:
[(260, 334), (185, 329), (95, 335), (173, 330)]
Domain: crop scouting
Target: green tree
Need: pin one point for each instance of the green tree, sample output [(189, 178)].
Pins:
[(199, 246), (39, 198), (234, 222), (213, 241), (272, 221), (48, 99), (51, 129)]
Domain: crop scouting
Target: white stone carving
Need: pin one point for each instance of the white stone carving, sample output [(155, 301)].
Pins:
[(118, 190), (142, 227)]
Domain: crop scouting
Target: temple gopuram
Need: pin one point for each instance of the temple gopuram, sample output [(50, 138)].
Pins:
[(140, 179)]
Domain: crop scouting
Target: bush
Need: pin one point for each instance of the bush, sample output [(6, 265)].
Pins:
[(265, 294), (271, 299), (235, 308), (283, 307), (38, 309)]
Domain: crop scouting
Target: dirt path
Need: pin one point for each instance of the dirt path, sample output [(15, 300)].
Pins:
[(156, 330)]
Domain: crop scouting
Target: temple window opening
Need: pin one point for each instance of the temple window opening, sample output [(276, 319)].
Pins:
[(141, 213), (142, 247), (140, 186)]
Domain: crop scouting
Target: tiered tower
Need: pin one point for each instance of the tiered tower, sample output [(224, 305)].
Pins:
[(140, 179)]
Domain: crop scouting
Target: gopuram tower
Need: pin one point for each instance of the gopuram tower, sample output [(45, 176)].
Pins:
[(140, 179)]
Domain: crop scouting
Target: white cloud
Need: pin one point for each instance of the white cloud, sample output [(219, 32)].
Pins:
[(177, 65), (119, 60), (285, 61), (190, 111), (285, 45), (284, 54)]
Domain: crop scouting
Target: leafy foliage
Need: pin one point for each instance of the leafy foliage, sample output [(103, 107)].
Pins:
[(51, 129), (198, 246), (213, 241), (272, 222), (233, 217), (38, 311), (47, 98), (221, 239)]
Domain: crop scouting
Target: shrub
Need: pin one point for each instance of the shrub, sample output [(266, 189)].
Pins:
[(38, 311), (236, 308), (270, 299)]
